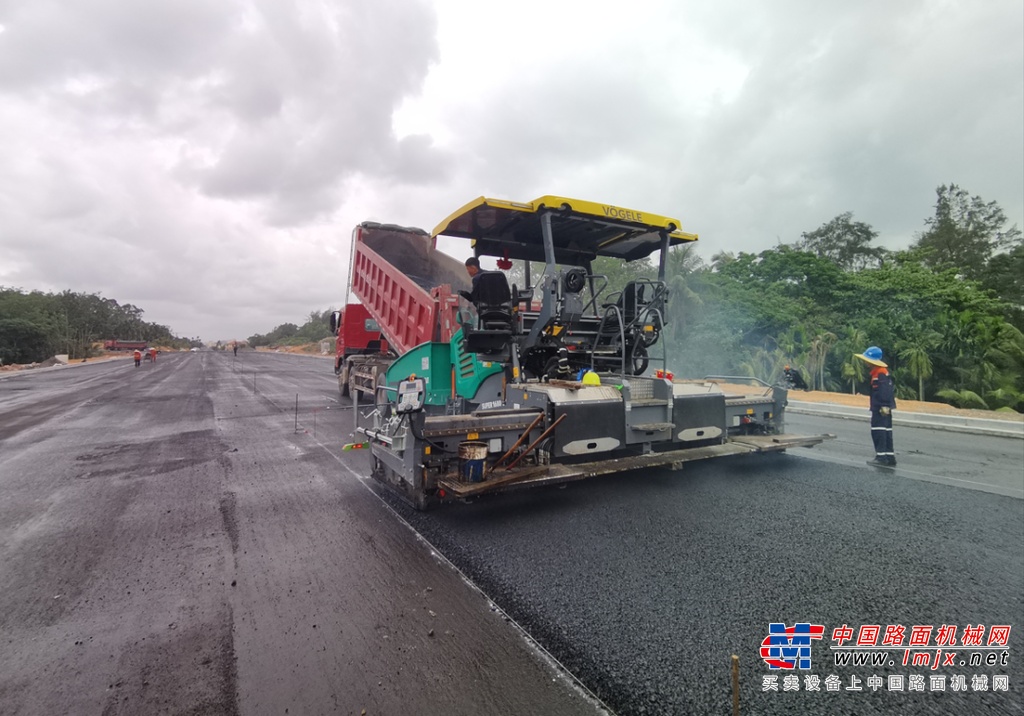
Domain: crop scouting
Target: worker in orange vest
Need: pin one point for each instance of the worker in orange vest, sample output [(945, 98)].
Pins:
[(138, 357), (152, 354)]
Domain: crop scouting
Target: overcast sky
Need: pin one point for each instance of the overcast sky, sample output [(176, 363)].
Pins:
[(206, 161)]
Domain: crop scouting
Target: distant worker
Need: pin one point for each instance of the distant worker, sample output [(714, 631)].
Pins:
[(473, 269), (234, 347), (883, 402), (138, 357), (794, 379), (152, 354)]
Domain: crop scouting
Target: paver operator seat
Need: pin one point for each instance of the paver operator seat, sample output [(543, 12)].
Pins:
[(493, 303)]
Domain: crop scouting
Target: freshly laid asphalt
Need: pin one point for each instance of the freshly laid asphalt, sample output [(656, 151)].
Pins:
[(641, 585), (645, 585)]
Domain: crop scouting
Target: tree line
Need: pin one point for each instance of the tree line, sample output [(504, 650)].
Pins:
[(35, 325), (948, 312), (316, 328)]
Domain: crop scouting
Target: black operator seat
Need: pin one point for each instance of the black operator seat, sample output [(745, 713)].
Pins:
[(630, 301), (493, 301)]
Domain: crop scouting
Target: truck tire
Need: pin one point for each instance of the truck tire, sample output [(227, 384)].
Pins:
[(343, 381), (380, 393)]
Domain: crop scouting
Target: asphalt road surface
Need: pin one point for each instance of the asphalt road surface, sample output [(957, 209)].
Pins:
[(977, 462), (171, 543), (181, 538)]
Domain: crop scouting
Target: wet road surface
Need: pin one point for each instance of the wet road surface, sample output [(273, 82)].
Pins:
[(275, 580), (170, 543)]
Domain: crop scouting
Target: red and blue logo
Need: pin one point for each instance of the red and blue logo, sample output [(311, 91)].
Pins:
[(789, 647)]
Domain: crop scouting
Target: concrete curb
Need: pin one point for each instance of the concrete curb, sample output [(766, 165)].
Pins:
[(952, 423)]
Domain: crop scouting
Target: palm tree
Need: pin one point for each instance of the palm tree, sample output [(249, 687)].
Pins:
[(917, 353), (683, 300), (853, 369), (820, 348), (722, 258)]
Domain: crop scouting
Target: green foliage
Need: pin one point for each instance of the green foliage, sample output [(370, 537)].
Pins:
[(22, 341), (1004, 276), (844, 241), (943, 335), (620, 273), (963, 398), (72, 322), (916, 353), (965, 232), (316, 328)]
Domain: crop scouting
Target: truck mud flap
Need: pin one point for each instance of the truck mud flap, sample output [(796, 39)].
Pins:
[(674, 459)]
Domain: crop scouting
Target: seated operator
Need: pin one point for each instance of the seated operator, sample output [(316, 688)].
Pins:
[(473, 269), (795, 379)]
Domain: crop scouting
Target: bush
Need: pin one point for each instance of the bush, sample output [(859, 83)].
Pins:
[(22, 341)]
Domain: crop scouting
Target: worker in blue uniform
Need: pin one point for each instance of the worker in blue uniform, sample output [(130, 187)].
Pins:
[(883, 402)]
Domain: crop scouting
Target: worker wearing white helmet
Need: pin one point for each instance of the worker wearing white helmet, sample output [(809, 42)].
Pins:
[(883, 402)]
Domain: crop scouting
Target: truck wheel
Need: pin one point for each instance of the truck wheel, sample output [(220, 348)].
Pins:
[(343, 381), (380, 394)]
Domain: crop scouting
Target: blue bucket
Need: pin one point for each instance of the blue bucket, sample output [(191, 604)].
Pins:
[(472, 456)]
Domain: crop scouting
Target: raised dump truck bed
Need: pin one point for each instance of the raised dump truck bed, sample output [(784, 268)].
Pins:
[(406, 284)]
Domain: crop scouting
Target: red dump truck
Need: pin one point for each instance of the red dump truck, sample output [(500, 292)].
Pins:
[(358, 346), (120, 345), (407, 299)]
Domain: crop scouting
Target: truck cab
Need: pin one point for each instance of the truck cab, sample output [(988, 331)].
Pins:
[(358, 341)]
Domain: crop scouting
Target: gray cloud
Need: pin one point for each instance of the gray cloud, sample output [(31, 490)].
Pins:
[(48, 42), (206, 161), (868, 108), (865, 107)]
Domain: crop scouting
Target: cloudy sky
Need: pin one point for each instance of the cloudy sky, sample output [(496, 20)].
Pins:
[(206, 161)]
